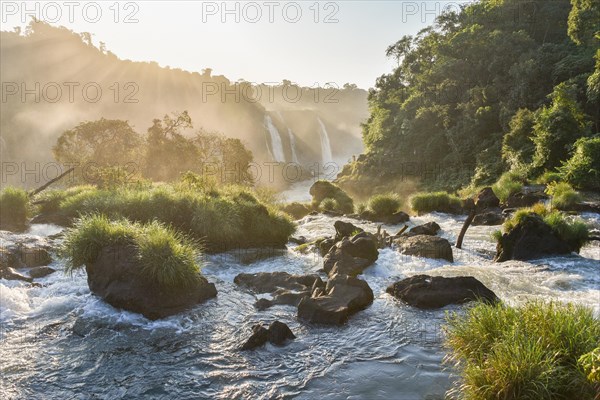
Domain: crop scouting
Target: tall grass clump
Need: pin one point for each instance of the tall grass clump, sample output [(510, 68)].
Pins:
[(508, 184), (423, 203), (14, 207), (571, 230), (563, 195), (226, 218), (166, 258), (528, 352), (384, 205)]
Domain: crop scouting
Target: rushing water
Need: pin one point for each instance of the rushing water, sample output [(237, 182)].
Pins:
[(58, 341), (276, 144), (327, 157)]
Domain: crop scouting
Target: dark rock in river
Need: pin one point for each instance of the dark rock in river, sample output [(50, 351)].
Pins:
[(115, 276), (527, 197), (489, 218), (342, 297), (430, 228), (345, 229), (10, 274), (425, 291), (23, 251), (351, 256), (486, 198), (532, 238), (40, 272), (425, 246), (276, 334)]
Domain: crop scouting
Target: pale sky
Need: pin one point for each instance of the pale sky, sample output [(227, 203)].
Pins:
[(264, 44)]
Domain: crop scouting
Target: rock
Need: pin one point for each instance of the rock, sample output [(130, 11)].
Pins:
[(325, 245), (296, 210), (114, 276), (10, 274), (260, 336), (40, 272), (425, 246), (488, 218), (486, 198), (524, 199), (276, 334), (532, 238), (430, 228), (344, 296), (425, 291), (345, 229), (394, 219), (279, 333), (23, 251), (298, 240), (286, 289), (351, 256)]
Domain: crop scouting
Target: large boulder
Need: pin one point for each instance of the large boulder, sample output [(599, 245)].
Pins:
[(430, 228), (486, 198), (285, 289), (425, 246), (526, 197), (351, 256), (115, 277), (277, 333), (532, 238), (425, 291), (343, 296), (489, 218), (10, 274), (345, 229), (23, 251)]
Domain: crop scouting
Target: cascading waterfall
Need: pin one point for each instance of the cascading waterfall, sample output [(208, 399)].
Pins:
[(293, 145), (276, 145), (325, 145)]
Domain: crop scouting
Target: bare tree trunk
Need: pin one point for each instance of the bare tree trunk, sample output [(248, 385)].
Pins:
[(45, 185), (464, 228)]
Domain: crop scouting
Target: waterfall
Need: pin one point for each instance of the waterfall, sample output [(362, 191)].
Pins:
[(325, 145), (276, 146), (293, 145)]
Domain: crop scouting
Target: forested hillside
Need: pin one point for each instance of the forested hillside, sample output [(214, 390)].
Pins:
[(500, 86)]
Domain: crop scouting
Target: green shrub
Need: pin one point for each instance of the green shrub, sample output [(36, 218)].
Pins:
[(582, 170), (14, 207), (573, 231), (590, 364), (509, 183), (563, 195), (423, 203), (549, 177), (360, 208), (329, 204), (322, 190), (384, 205), (166, 257), (529, 352), (228, 218)]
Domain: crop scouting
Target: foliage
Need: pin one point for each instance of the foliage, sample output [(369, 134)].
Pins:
[(14, 207), (549, 177), (469, 96), (508, 184), (583, 169), (329, 204), (323, 189), (226, 218), (384, 205), (526, 352), (590, 363), (166, 258), (438, 201), (563, 195)]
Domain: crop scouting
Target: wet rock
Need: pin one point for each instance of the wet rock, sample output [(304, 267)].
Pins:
[(40, 272), (296, 210), (23, 250), (286, 289), (394, 219), (325, 245), (425, 246), (430, 228), (489, 218), (486, 198), (277, 333), (524, 198), (351, 256), (10, 274), (532, 238), (424, 291), (115, 277), (298, 240), (345, 229), (343, 297)]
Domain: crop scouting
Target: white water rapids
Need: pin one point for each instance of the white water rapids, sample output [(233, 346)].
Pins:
[(59, 341)]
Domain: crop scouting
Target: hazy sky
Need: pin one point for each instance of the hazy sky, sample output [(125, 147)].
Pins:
[(263, 41)]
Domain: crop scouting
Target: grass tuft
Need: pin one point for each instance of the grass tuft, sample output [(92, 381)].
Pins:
[(508, 184), (14, 207), (423, 203), (529, 352), (384, 205), (563, 195)]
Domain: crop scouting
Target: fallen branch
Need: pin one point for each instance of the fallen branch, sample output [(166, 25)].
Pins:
[(50, 182)]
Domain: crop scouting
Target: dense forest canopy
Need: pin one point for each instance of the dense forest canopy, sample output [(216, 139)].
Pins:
[(499, 86)]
